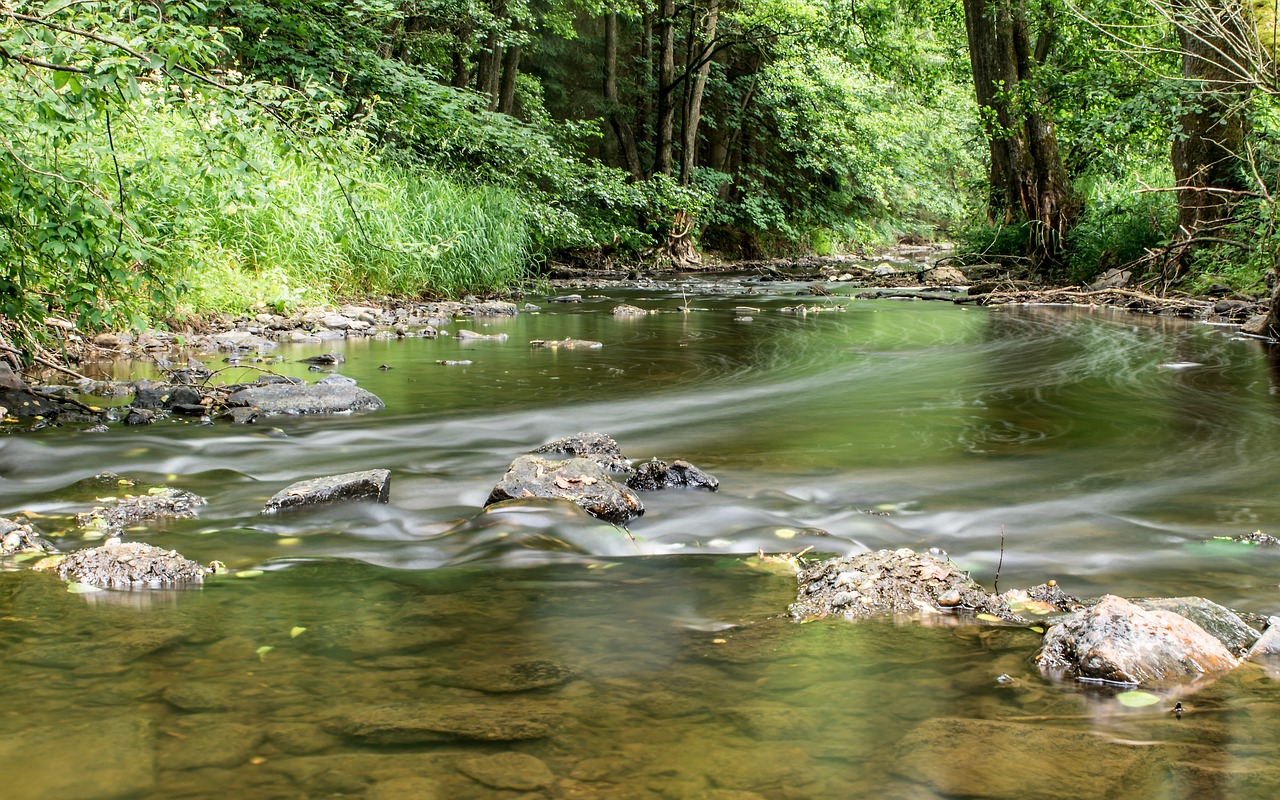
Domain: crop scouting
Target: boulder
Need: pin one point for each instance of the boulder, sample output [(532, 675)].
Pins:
[(159, 503), (286, 398), (580, 480), (1120, 642), (596, 446), (891, 582), (324, 359), (653, 475), (127, 565), (1218, 621), (18, 399), (566, 344), (625, 310), (1269, 643), (372, 484)]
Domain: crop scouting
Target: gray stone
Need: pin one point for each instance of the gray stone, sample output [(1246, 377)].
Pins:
[(17, 537), (653, 475), (139, 416), (1120, 642), (596, 446), (625, 310), (337, 380), (580, 480), (314, 399), (519, 677), (472, 336), (1269, 643), (128, 564), (508, 771), (210, 744), (371, 484), (159, 503), (566, 344), (324, 359)]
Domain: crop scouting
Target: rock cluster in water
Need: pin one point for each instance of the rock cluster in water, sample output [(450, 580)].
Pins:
[(595, 475)]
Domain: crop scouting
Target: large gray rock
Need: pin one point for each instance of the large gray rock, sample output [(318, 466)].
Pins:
[(580, 480), (653, 475), (1218, 621), (1121, 642), (370, 484), (127, 565), (596, 446), (313, 399)]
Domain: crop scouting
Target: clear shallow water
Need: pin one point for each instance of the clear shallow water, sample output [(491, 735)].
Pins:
[(1107, 460)]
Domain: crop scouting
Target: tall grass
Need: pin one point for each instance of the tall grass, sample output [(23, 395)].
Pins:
[(270, 224)]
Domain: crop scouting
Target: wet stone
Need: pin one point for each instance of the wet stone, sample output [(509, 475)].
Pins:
[(1120, 642), (596, 446), (625, 310), (1219, 622), (298, 400), (519, 677), (372, 484), (159, 503), (654, 475), (324, 359), (210, 744), (507, 771), (114, 758), (406, 788), (566, 344), (128, 564), (580, 480), (200, 697), (20, 537)]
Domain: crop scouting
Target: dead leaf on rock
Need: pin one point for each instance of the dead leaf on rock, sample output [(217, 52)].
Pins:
[(931, 571)]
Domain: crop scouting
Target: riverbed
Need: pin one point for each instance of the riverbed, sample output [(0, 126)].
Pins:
[(1100, 449)]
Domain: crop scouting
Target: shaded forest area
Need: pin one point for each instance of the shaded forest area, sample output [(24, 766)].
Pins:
[(164, 157)]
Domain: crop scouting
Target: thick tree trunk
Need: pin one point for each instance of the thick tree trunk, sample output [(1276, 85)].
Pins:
[(510, 71), (1027, 179), (698, 68), (665, 128), (1208, 151), (616, 114)]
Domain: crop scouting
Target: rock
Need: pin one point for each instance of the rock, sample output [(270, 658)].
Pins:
[(566, 344), (581, 480), (944, 274), (653, 475), (519, 771), (336, 380), (209, 743), (16, 397), (372, 484), (884, 270), (625, 310), (1256, 538), (596, 446), (409, 787), (140, 416), (127, 565), (523, 676), (324, 359), (126, 768), (1115, 278), (472, 336), (239, 341), (20, 537), (566, 298), (107, 340), (491, 308), (313, 399), (336, 322), (455, 362), (158, 503), (1269, 643), (416, 723), (1219, 622), (1256, 325), (1120, 642), (150, 394), (889, 582)]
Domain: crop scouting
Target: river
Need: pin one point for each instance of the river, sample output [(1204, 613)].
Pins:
[(1105, 450)]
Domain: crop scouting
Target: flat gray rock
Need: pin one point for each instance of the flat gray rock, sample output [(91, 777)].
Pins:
[(313, 399), (370, 484), (129, 564), (581, 480)]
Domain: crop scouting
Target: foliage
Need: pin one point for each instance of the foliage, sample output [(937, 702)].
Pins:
[(1123, 220)]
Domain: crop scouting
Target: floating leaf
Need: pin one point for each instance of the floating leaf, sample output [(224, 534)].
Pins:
[(989, 618), (157, 490), (1037, 629), (262, 651), (288, 541), (1136, 699), (81, 588), (296, 631), (249, 573), (785, 533)]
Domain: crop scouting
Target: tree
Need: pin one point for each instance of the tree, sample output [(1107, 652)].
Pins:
[(1027, 180)]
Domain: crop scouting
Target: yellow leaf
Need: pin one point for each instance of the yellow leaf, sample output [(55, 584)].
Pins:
[(297, 631)]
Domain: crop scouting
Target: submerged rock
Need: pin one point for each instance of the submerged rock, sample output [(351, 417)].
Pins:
[(20, 537), (284, 398), (416, 723), (1119, 641), (653, 475), (128, 564), (371, 484), (566, 344), (159, 503), (889, 582), (596, 446), (519, 771), (472, 336), (581, 480), (523, 676)]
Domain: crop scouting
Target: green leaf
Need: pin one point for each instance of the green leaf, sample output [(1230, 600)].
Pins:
[(1137, 699)]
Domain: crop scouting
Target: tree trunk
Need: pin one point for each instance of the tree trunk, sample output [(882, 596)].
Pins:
[(1027, 179), (665, 128), (1208, 152), (510, 70), (699, 68), (616, 115)]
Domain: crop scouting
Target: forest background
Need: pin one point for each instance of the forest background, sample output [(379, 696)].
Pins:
[(159, 158)]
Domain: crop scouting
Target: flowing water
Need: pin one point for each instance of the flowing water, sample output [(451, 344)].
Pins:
[(569, 659)]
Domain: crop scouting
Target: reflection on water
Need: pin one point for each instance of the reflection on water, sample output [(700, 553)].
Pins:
[(423, 649)]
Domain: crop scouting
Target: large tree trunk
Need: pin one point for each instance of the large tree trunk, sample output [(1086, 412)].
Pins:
[(1208, 151), (665, 128), (510, 70), (1027, 179), (698, 68), (616, 115)]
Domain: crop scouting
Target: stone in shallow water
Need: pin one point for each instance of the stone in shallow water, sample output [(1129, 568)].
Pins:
[(371, 484), (519, 677), (159, 503), (1218, 621), (654, 475), (84, 757), (1121, 642), (314, 399), (581, 480), (18, 537), (415, 723), (508, 771), (125, 565), (207, 743), (598, 447)]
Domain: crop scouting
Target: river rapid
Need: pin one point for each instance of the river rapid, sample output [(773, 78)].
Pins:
[(1100, 449)]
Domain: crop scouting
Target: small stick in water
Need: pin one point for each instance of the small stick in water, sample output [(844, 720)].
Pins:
[(999, 563)]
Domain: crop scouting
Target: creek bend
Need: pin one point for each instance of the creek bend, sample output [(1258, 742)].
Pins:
[(1111, 448)]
